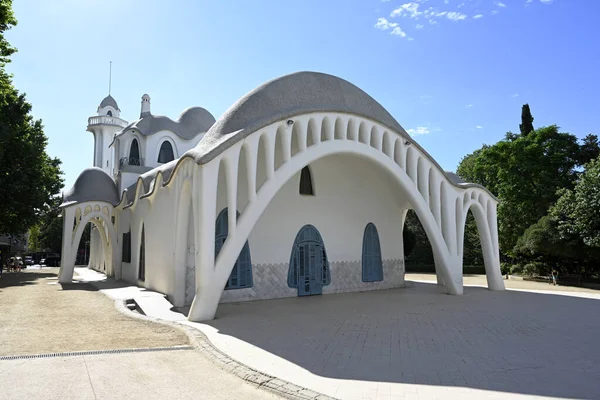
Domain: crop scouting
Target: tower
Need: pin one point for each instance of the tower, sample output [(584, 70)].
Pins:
[(104, 126)]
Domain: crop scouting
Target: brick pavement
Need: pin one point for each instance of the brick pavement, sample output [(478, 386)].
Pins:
[(417, 342)]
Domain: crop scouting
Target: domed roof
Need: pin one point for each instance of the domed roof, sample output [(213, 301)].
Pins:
[(109, 101), (191, 122), (93, 184), (286, 96)]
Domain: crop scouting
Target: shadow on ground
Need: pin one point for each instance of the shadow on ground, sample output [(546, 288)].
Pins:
[(22, 278), (512, 341)]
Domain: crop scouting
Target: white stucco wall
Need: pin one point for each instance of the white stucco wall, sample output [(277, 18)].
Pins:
[(150, 145), (349, 193), (158, 218)]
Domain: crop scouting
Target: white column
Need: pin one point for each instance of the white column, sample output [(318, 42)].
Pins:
[(67, 259), (489, 243), (231, 179), (204, 201)]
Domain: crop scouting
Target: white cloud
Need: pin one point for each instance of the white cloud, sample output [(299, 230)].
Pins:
[(420, 130), (408, 9), (479, 127), (419, 26), (500, 4), (456, 16), (398, 31), (515, 95), (469, 105), (546, 1), (384, 24), (477, 16)]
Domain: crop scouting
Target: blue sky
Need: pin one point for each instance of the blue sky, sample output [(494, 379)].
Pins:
[(452, 72)]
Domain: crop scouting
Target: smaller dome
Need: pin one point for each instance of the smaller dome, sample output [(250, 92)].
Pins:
[(93, 184), (109, 101), (196, 119)]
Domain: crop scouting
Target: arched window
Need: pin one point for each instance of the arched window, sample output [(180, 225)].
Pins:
[(241, 274), (134, 153), (372, 266), (142, 263), (109, 113), (309, 267), (165, 154), (306, 186)]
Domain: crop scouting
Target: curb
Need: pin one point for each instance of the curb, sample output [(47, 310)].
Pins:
[(200, 342)]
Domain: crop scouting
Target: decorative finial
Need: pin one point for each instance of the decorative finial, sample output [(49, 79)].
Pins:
[(109, 76)]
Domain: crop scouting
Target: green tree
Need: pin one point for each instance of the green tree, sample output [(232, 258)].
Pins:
[(472, 254), (28, 176), (525, 172), (526, 125), (577, 212), (590, 150), (34, 238), (51, 227), (421, 254)]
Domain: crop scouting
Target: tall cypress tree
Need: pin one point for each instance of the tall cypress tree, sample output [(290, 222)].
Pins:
[(526, 125)]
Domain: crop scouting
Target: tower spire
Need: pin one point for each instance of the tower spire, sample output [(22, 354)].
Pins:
[(109, 76)]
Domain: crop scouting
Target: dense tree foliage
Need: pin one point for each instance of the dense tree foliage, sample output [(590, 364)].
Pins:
[(577, 212), (548, 184), (525, 172), (29, 178), (568, 238)]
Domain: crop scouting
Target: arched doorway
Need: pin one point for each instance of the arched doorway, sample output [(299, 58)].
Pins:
[(309, 268), (372, 265)]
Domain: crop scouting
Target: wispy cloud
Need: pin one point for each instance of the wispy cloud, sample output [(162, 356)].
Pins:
[(419, 130), (469, 106), (515, 95), (385, 25), (428, 14), (456, 16), (479, 127), (408, 9)]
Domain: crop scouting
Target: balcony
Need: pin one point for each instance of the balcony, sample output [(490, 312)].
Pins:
[(133, 164), (131, 161), (106, 120)]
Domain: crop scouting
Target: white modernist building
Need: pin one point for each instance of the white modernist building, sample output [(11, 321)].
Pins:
[(300, 188)]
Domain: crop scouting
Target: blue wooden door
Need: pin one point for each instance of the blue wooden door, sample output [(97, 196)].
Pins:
[(309, 269)]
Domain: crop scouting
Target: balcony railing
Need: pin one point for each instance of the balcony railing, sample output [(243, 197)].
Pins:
[(131, 161), (106, 120)]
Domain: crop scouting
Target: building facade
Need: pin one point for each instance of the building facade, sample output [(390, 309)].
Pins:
[(301, 188)]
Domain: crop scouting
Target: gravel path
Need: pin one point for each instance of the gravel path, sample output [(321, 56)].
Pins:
[(38, 315)]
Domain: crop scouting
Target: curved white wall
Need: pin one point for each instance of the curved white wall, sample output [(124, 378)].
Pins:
[(349, 193)]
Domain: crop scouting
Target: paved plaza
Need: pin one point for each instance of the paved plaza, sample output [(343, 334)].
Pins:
[(417, 342), (531, 341)]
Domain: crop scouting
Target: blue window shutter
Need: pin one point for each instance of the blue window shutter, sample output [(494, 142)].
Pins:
[(372, 265), (241, 274)]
